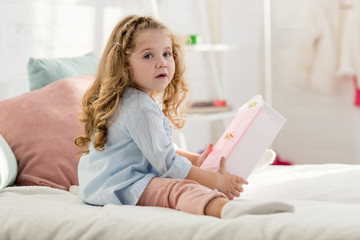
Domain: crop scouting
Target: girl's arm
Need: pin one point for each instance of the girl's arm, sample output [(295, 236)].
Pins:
[(222, 180), (194, 158)]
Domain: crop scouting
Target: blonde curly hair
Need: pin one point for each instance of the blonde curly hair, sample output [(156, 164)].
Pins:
[(114, 76)]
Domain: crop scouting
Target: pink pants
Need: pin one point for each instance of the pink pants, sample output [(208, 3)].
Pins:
[(180, 194)]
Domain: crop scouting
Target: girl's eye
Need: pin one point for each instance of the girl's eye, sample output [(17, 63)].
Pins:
[(148, 56), (167, 54)]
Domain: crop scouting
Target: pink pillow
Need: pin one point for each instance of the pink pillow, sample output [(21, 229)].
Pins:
[(40, 128)]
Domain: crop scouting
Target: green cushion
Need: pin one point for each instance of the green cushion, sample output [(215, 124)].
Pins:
[(42, 71)]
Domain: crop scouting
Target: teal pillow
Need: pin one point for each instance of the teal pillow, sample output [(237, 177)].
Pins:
[(8, 165), (42, 71)]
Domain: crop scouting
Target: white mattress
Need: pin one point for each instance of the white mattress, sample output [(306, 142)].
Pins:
[(326, 198)]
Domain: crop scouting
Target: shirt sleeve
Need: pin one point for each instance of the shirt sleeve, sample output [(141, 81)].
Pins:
[(145, 126)]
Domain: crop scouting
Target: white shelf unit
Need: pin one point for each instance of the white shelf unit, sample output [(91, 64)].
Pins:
[(211, 116), (208, 51), (211, 47)]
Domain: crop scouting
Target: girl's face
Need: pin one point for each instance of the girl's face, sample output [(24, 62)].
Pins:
[(152, 60)]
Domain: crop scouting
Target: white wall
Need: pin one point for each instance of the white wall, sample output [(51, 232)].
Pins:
[(319, 128), (53, 28)]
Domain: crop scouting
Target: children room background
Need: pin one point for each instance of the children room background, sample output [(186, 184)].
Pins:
[(302, 56), (294, 53)]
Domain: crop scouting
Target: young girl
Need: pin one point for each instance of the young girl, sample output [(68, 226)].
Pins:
[(129, 156)]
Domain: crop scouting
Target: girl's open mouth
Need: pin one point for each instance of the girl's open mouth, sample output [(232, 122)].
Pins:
[(162, 75)]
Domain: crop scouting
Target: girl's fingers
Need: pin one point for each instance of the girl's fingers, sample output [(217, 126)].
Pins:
[(241, 180), (222, 163), (230, 196), (239, 188), (204, 155), (209, 148), (236, 193)]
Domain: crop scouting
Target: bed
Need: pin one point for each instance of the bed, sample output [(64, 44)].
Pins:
[(38, 188), (326, 198)]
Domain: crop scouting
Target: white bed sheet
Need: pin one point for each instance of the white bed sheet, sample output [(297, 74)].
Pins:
[(326, 198)]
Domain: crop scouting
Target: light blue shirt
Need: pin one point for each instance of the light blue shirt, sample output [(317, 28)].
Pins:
[(138, 148)]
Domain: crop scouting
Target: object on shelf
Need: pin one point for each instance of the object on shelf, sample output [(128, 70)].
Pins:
[(210, 106), (210, 103), (194, 39), (209, 109)]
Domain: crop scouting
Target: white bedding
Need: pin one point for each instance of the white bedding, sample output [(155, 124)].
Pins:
[(326, 198)]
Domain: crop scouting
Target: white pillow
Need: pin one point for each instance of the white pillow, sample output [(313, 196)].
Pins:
[(8, 165), (267, 159)]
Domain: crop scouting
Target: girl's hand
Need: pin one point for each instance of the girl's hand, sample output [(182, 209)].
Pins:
[(203, 156), (229, 184)]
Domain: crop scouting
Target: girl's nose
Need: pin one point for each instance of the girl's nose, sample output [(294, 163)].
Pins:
[(161, 64)]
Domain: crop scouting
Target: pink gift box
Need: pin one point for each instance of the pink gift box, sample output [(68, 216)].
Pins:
[(247, 138)]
